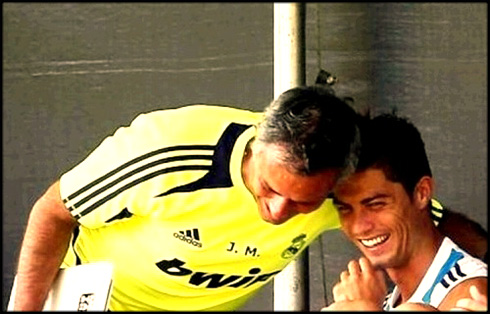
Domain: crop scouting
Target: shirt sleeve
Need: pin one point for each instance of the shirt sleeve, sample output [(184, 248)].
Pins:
[(105, 184)]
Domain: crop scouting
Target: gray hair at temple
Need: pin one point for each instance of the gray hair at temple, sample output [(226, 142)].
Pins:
[(316, 129)]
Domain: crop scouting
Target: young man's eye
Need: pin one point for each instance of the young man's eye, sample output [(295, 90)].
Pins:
[(376, 204)]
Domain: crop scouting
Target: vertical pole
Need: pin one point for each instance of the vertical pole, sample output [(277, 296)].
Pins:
[(291, 285), (289, 46)]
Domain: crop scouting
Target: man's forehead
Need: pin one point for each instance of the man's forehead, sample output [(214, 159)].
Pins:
[(362, 181)]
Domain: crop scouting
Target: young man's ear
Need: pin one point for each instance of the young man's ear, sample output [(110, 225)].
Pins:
[(423, 191)]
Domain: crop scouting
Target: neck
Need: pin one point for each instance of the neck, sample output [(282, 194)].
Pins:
[(408, 277)]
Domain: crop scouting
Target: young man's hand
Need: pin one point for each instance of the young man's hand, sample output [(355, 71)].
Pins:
[(477, 302), (361, 282)]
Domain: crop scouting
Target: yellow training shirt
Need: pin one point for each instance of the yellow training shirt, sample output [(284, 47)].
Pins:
[(164, 200)]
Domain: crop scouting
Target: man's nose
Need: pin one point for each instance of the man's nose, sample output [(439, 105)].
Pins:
[(362, 223), (279, 206)]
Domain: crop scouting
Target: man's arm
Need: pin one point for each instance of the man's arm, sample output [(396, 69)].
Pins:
[(45, 243), (477, 302), (462, 291), (470, 295)]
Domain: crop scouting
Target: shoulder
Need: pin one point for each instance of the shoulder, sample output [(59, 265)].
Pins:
[(458, 264), (462, 290), (463, 271), (214, 110), (194, 117)]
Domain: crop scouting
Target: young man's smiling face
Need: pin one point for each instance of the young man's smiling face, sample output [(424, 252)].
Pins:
[(379, 216)]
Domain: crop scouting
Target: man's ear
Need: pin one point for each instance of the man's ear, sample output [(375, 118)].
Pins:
[(423, 192)]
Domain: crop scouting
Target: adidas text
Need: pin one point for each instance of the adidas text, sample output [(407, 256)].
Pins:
[(187, 239)]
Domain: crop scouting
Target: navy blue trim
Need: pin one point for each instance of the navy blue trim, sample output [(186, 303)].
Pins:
[(451, 276), (219, 175), (125, 213), (136, 171), (444, 283), (76, 232), (136, 182), (458, 270), (135, 160)]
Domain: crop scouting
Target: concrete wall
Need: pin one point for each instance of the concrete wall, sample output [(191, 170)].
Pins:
[(427, 60), (74, 72)]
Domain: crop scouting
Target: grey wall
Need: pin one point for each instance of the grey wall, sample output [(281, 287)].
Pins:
[(74, 72), (429, 60)]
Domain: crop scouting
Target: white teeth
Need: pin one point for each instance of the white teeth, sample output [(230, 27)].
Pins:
[(374, 241)]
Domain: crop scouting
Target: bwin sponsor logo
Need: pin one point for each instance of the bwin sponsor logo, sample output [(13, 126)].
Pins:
[(189, 236), (174, 268)]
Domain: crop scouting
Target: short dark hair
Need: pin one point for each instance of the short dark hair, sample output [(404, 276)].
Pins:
[(394, 145), (318, 129)]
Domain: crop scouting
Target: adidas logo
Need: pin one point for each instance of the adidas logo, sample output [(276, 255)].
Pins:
[(190, 236)]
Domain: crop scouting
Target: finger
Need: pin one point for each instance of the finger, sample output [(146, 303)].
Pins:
[(354, 268), (367, 268), (476, 294), (344, 276), (365, 265), (338, 294), (340, 298), (465, 304), (462, 303), (471, 305)]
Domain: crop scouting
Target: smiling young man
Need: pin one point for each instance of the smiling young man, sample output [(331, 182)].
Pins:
[(385, 209)]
